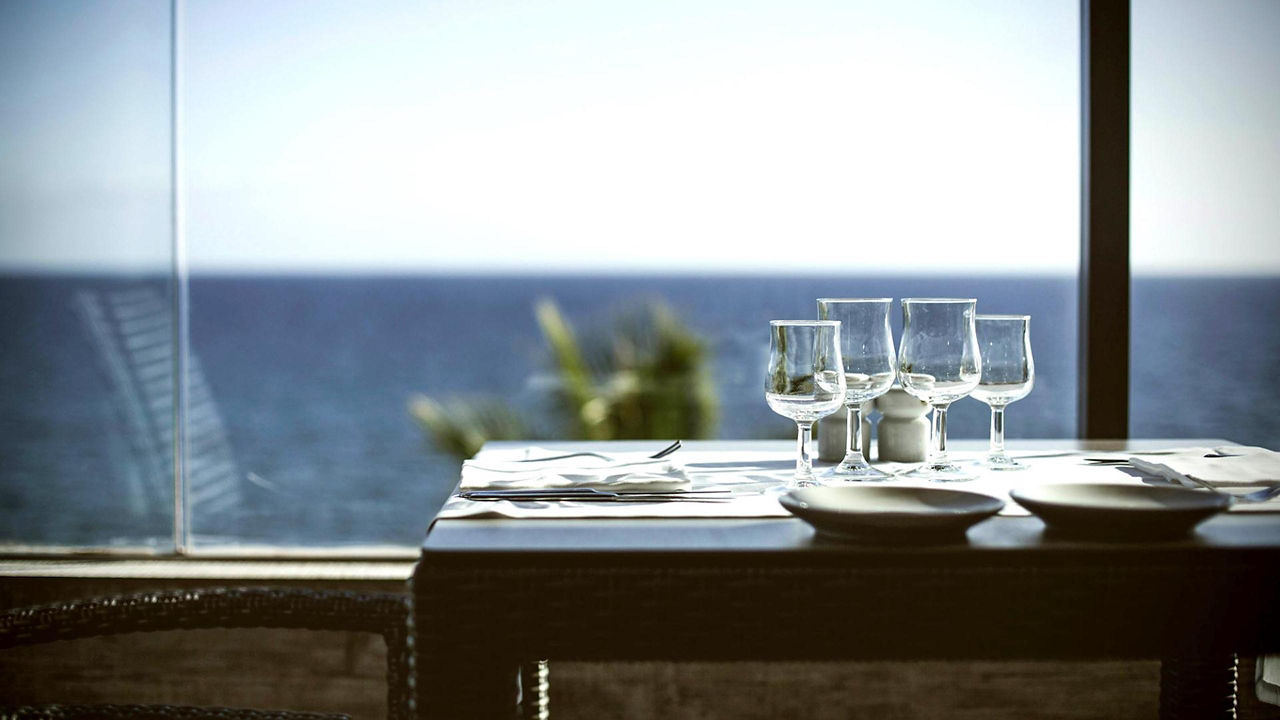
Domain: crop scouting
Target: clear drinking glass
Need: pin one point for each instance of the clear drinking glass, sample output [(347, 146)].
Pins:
[(1008, 372), (804, 381), (939, 363), (866, 347)]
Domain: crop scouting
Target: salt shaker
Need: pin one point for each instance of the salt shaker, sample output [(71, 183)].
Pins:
[(831, 434), (902, 435)]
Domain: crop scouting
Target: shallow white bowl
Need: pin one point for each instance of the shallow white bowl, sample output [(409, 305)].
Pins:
[(862, 511), (1121, 511)]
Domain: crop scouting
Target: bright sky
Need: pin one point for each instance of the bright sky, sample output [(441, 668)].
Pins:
[(685, 135)]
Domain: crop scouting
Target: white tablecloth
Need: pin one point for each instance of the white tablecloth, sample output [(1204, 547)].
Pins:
[(753, 477)]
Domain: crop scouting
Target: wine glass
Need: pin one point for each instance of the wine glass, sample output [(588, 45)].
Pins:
[(939, 363), (866, 347), (1008, 372), (804, 381)]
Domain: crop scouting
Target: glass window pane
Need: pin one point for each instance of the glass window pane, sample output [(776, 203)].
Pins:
[(86, 323), (1206, 175), (380, 197)]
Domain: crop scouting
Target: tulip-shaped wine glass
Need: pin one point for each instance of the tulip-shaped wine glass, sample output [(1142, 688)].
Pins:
[(804, 381), (866, 347), (1008, 372), (939, 363)]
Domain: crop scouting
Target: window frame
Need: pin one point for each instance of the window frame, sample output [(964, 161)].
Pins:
[(1104, 277)]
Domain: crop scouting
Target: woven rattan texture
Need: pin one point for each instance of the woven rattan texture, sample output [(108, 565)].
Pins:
[(1198, 687), (154, 712), (718, 613), (476, 624), (381, 613)]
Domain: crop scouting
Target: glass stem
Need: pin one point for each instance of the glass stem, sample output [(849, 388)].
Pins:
[(997, 430), (939, 449), (804, 463), (853, 432)]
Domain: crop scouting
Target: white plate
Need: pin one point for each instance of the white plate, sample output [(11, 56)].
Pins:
[(1111, 510), (860, 511)]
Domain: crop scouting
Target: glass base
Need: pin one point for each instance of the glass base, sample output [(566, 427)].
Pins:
[(1002, 461), (854, 469), (940, 472), (801, 482)]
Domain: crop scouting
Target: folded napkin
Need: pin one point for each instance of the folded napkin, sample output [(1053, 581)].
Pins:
[(618, 472), (1225, 467)]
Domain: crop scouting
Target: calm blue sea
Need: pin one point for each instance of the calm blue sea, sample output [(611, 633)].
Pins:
[(305, 383)]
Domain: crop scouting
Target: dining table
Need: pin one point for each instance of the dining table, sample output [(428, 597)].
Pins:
[(498, 595)]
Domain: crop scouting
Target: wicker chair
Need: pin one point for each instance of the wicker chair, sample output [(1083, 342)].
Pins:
[(154, 712), (383, 613)]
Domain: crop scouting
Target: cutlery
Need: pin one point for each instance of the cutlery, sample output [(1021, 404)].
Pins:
[(1256, 496), (666, 451), (1125, 460), (607, 458), (595, 494), (1116, 460)]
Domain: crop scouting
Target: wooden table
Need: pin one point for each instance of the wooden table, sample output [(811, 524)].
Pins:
[(493, 596)]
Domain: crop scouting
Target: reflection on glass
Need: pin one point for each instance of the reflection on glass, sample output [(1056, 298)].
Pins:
[(86, 324), (87, 411)]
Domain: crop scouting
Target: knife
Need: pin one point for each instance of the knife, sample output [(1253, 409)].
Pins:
[(581, 493)]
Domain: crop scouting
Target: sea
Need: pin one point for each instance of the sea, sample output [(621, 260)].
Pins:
[(298, 426)]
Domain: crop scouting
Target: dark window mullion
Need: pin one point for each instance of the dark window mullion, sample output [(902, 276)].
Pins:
[(1104, 219)]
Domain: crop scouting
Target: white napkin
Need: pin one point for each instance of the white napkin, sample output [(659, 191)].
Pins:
[(618, 471), (1230, 466)]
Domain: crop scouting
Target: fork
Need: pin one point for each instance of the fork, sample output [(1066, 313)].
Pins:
[(1124, 460), (1256, 496), (658, 455), (583, 493)]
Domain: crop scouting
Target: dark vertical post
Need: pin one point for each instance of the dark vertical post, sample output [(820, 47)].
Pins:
[(1104, 219)]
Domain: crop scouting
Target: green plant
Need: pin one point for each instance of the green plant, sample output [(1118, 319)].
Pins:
[(643, 376), (461, 427)]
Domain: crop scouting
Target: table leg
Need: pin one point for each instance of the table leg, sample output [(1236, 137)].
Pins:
[(1198, 687), (535, 690)]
